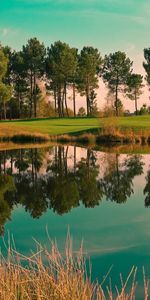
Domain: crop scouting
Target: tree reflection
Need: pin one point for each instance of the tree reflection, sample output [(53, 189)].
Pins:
[(90, 189), (147, 190), (118, 181), (62, 187), (6, 186), (54, 178)]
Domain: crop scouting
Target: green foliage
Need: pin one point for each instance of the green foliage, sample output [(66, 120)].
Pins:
[(146, 64), (34, 56), (6, 186), (144, 110), (5, 95), (118, 180), (34, 61), (3, 64), (45, 109), (81, 112), (90, 190), (61, 64), (93, 104), (119, 107), (89, 65), (60, 70), (134, 88), (117, 68)]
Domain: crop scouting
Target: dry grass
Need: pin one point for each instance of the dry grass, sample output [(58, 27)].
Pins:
[(86, 138), (12, 146), (85, 131), (24, 137), (113, 133), (47, 275)]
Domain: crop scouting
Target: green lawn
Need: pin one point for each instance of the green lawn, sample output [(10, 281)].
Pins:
[(71, 126)]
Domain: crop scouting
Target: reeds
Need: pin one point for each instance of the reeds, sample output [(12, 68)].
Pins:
[(50, 275), (110, 132)]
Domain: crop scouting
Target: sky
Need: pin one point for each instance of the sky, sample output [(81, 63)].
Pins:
[(109, 25)]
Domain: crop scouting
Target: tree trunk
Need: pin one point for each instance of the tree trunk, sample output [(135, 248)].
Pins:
[(59, 102), (31, 94), (87, 102), (75, 159), (65, 94), (136, 109), (19, 105), (0, 164), (35, 98), (11, 163), (18, 90), (116, 100), (4, 107), (55, 99), (74, 99), (62, 103), (4, 162), (66, 161), (117, 169)]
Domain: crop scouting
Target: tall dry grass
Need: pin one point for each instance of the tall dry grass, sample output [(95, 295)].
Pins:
[(47, 274)]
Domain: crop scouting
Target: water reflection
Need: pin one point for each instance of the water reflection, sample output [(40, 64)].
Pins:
[(64, 177), (118, 180)]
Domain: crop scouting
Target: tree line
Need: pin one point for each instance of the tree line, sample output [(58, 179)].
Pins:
[(62, 68)]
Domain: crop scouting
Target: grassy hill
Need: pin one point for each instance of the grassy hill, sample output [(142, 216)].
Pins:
[(52, 127)]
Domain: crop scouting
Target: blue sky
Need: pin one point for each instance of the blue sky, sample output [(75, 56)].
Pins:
[(109, 25)]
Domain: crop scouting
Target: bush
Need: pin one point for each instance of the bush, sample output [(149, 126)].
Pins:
[(81, 112)]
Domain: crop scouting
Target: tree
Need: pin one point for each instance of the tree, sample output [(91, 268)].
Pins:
[(73, 80), (116, 69), (5, 95), (19, 80), (5, 90), (61, 66), (120, 108), (3, 64), (93, 104), (118, 178), (89, 65), (34, 60), (7, 186), (147, 190), (8, 52), (117, 185), (144, 110), (61, 184), (81, 112), (134, 88), (90, 189), (146, 64)]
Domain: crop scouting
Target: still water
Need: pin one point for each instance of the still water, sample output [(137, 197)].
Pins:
[(104, 199)]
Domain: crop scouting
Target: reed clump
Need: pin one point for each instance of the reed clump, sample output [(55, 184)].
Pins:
[(111, 132), (27, 137), (50, 275), (86, 138)]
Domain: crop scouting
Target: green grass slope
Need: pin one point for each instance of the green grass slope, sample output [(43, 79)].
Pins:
[(71, 125)]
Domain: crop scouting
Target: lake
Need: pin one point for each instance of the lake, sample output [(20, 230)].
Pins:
[(103, 197)]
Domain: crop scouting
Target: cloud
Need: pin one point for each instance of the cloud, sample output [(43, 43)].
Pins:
[(133, 8), (4, 31)]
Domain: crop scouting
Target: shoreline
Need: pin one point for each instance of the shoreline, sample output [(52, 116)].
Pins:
[(99, 131), (120, 138)]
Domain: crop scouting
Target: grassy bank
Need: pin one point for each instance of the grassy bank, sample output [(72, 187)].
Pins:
[(123, 129), (47, 274)]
